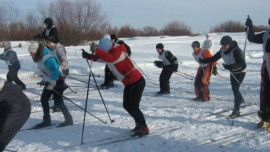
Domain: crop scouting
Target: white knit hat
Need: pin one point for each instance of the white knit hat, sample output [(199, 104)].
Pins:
[(33, 47), (2, 82)]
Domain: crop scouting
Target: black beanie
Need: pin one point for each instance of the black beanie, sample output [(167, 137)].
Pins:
[(113, 36), (226, 40), (195, 44), (159, 46), (52, 39), (49, 22)]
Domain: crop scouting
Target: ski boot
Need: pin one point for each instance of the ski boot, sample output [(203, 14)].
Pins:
[(42, 124), (65, 123), (142, 131), (235, 113), (136, 128), (262, 123), (196, 99), (267, 129)]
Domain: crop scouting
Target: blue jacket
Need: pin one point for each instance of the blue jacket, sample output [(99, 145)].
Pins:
[(51, 66)]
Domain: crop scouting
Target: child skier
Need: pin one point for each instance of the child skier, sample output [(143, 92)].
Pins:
[(51, 74), (235, 62), (263, 38), (169, 64), (13, 63), (204, 71), (121, 66)]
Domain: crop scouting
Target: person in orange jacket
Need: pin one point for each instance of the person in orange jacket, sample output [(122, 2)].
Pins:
[(116, 57), (204, 71)]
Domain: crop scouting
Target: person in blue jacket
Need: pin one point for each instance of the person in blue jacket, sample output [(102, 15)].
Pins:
[(53, 82), (13, 63)]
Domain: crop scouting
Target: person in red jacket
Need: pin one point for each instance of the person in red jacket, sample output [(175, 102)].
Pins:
[(116, 57), (204, 72)]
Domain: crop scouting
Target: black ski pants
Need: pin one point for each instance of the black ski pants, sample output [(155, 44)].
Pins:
[(109, 77), (58, 101), (164, 78), (236, 80), (132, 98), (12, 75)]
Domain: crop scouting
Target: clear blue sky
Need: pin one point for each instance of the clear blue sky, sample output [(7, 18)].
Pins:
[(200, 15)]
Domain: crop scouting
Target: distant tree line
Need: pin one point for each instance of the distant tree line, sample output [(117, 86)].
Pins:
[(82, 20)]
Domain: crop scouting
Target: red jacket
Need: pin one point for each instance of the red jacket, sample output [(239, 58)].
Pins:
[(119, 63)]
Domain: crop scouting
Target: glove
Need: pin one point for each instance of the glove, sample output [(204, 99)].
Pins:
[(215, 72), (50, 87), (93, 47), (201, 60), (227, 67), (85, 54), (159, 64), (249, 23)]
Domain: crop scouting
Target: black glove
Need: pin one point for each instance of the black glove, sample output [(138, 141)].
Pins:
[(215, 72), (249, 23), (227, 67), (201, 60), (85, 54), (159, 64), (93, 47)]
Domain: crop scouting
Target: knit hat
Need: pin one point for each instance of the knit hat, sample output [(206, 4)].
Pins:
[(2, 83), (6, 44), (160, 46), (195, 44), (52, 39), (33, 47), (49, 22), (113, 36), (226, 40), (105, 43)]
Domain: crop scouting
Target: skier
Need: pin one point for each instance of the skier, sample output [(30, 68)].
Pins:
[(262, 38), (51, 74), (49, 31), (59, 51), (169, 64), (208, 44), (13, 63), (202, 79), (15, 108), (235, 62), (117, 60)]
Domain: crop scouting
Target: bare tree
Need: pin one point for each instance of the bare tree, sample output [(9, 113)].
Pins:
[(176, 28), (150, 31), (229, 26)]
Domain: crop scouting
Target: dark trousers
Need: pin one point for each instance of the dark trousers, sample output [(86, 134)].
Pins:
[(12, 75), (12, 118), (164, 79), (58, 101), (265, 93), (132, 98), (236, 80), (109, 77)]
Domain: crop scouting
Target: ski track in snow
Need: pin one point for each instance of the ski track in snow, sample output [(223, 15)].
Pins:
[(164, 114)]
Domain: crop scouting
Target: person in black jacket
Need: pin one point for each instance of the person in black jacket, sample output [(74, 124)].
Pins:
[(49, 31), (13, 63), (263, 38), (15, 108), (169, 64), (108, 75), (235, 62)]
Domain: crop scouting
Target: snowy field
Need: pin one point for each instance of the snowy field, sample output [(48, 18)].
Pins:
[(176, 122)]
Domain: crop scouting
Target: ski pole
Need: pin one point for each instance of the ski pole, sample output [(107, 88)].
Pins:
[(79, 107), (223, 77), (138, 68), (86, 101), (184, 76), (99, 91)]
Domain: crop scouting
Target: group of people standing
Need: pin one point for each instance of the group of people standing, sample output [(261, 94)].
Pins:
[(51, 59)]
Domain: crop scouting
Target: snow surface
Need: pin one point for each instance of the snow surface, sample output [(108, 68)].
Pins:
[(176, 123)]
